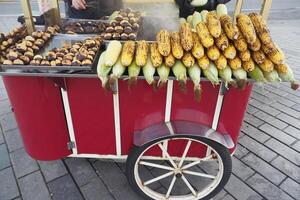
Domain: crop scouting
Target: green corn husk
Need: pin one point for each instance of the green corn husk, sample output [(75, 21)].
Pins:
[(117, 71), (241, 76), (163, 72), (196, 19), (226, 74), (290, 77), (204, 13), (211, 73), (133, 73), (113, 16), (103, 70), (190, 20), (195, 75), (179, 70), (182, 20), (272, 76), (149, 71), (257, 74)]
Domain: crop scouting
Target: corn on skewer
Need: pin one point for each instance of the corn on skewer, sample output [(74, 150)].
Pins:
[(149, 71), (117, 71), (226, 74), (103, 70), (179, 70), (195, 75), (211, 73)]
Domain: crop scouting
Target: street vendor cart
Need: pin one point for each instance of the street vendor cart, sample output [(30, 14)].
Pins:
[(174, 146)]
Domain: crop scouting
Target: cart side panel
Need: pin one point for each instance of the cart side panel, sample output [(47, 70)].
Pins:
[(232, 114), (140, 107), (40, 116), (92, 115)]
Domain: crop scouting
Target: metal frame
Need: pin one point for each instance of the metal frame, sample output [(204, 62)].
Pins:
[(265, 9)]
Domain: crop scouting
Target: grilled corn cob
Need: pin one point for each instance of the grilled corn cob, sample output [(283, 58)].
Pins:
[(203, 62), (141, 54), (240, 43), (204, 35), (267, 65), (235, 63), (186, 37), (213, 24), (245, 25), (268, 48), (103, 70), (177, 49), (197, 50), (258, 56), (113, 51), (276, 56), (257, 75), (248, 65), (230, 29), (196, 19), (282, 68), (222, 41), (127, 54), (245, 55), (289, 76), (256, 45), (188, 59), (230, 52), (170, 60), (213, 53), (156, 57), (203, 14), (261, 28), (221, 62), (241, 76), (221, 10), (164, 43), (272, 76)]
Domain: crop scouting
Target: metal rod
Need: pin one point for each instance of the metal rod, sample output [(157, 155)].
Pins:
[(28, 16)]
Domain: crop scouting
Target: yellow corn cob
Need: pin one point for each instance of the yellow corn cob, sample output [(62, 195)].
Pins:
[(188, 59), (258, 56), (221, 62), (197, 50), (222, 41), (213, 53), (213, 24), (256, 45), (276, 56), (230, 29), (245, 55), (282, 68), (170, 60), (261, 28), (240, 43), (205, 37), (245, 25), (249, 65), (156, 57), (230, 52), (177, 49), (186, 36), (164, 43), (127, 54), (268, 48), (141, 55), (267, 65), (203, 62), (235, 63)]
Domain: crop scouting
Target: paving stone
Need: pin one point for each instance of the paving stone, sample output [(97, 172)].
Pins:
[(283, 100), (275, 90), (228, 197), (297, 146), (8, 185), (8, 122), (255, 132), (1, 136), (4, 157), (251, 109), (296, 107), (111, 174), (293, 131), (262, 98), (5, 107), (250, 119), (22, 163), (95, 189), (271, 120), (240, 169), (293, 98), (291, 187), (235, 186), (278, 134), (3, 94), (265, 169), (266, 188), (52, 169), (220, 195), (286, 110), (64, 188), (13, 140), (125, 192), (33, 187), (290, 120), (81, 170), (287, 167), (284, 151), (264, 107), (257, 148), (240, 151), (261, 90)]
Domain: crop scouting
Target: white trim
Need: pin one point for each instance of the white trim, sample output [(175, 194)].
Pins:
[(169, 100), (117, 120), (170, 127), (68, 115), (98, 156)]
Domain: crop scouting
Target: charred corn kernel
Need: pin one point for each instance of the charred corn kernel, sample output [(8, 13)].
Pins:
[(141, 55), (261, 27), (245, 25), (276, 56), (203, 62), (256, 45), (230, 29), (240, 43), (156, 57), (235, 63), (127, 54), (248, 65), (213, 24), (213, 53), (170, 60), (222, 41), (186, 37), (188, 59), (221, 62), (177, 49), (267, 65), (245, 55), (230, 52), (198, 49), (204, 35), (258, 56), (282, 68), (268, 48), (164, 43)]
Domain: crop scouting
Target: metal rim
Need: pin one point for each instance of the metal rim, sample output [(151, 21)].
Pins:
[(178, 169)]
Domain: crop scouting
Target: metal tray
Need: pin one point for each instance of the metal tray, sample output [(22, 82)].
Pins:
[(57, 41), (67, 21)]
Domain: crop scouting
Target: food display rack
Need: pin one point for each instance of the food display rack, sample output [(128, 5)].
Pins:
[(68, 114)]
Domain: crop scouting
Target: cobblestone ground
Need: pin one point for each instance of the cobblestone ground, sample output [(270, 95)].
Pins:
[(266, 164)]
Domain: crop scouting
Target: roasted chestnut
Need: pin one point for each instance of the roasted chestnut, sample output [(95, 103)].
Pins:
[(12, 55), (116, 36), (128, 30), (132, 36), (37, 57), (124, 36), (76, 62), (87, 62), (29, 38), (25, 59), (119, 29), (29, 54), (66, 62), (18, 62), (7, 62), (45, 63)]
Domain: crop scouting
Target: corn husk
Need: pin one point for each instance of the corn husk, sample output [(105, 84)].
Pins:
[(117, 71), (257, 74), (289, 77), (272, 76), (211, 73), (103, 70), (163, 72), (133, 73), (203, 14), (195, 75), (241, 75), (179, 70), (226, 75), (149, 71), (182, 20)]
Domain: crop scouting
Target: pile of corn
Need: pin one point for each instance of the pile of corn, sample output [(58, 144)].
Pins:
[(208, 43)]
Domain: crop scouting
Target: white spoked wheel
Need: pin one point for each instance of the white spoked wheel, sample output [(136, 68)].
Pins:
[(178, 173)]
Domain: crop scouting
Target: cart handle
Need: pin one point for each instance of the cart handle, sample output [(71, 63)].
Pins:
[(264, 11)]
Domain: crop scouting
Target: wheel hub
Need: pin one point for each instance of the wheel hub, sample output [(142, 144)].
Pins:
[(178, 173)]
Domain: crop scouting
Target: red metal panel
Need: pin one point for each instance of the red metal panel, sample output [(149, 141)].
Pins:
[(140, 107), (39, 113), (92, 115)]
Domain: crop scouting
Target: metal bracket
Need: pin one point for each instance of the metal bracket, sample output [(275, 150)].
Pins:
[(59, 82), (71, 145), (224, 89)]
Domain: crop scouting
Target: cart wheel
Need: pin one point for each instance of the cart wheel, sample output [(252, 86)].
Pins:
[(176, 174)]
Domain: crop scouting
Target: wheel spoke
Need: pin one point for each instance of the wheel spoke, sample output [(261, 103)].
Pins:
[(196, 162), (199, 174), (156, 165), (158, 178), (187, 147), (188, 185), (167, 154), (171, 187)]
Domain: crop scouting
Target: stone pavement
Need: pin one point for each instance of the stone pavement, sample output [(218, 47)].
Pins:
[(266, 164)]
